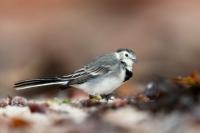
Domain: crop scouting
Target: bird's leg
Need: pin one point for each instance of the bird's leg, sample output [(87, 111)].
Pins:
[(107, 96), (95, 98)]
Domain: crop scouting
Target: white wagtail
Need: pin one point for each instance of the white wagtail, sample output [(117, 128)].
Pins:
[(98, 78)]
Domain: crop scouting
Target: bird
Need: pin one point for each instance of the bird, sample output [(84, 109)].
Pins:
[(100, 77)]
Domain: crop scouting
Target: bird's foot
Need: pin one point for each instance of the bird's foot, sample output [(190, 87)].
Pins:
[(95, 99), (101, 98), (108, 97)]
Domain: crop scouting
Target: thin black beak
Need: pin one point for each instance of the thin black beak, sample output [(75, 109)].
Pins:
[(134, 60)]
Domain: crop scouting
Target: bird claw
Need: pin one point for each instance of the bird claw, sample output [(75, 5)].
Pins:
[(101, 98), (108, 97), (95, 99)]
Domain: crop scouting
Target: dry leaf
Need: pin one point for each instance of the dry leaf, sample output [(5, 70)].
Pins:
[(17, 122)]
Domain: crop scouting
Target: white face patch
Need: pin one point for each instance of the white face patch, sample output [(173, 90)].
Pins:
[(122, 57), (129, 64)]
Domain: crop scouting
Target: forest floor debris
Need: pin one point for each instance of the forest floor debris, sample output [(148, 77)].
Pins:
[(170, 105)]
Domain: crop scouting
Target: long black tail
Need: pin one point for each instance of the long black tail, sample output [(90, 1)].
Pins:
[(26, 84)]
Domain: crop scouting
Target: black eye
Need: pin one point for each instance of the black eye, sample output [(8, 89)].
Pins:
[(126, 55)]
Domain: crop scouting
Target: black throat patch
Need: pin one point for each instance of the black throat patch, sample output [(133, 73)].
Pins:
[(128, 75)]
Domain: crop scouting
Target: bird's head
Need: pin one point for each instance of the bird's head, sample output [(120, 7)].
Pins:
[(126, 56)]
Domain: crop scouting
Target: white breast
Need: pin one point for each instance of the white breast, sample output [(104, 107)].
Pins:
[(103, 85)]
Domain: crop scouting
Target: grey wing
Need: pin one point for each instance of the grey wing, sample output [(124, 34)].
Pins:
[(96, 68)]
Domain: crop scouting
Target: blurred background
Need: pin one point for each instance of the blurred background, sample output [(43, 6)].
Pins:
[(44, 38)]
